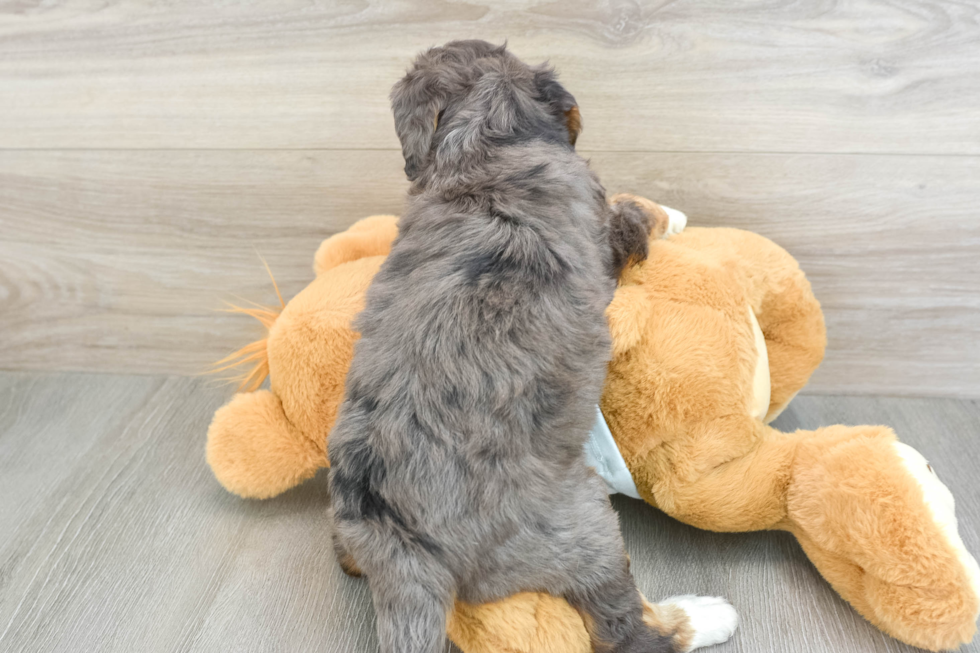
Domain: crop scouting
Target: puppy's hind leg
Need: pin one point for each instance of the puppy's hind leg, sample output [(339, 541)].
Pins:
[(340, 550), (619, 620), (613, 616), (593, 573), (411, 609)]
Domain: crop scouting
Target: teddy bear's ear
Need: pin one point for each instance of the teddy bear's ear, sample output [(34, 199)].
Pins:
[(368, 237), (627, 315)]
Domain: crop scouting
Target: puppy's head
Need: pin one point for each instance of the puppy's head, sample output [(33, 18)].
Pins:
[(464, 96)]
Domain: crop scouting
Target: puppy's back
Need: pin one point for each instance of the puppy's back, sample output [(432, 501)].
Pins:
[(483, 339)]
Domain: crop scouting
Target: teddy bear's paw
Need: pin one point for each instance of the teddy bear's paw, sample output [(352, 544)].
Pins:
[(677, 220), (939, 501), (712, 619)]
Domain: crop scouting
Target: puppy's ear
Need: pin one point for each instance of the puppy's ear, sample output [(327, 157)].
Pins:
[(560, 102), (416, 101)]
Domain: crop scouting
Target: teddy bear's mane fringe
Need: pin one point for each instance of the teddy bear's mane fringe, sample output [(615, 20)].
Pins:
[(254, 357)]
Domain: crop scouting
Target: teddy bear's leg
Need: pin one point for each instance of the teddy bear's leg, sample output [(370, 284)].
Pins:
[(880, 527), (529, 622), (869, 513), (788, 314), (793, 326), (738, 483), (594, 578), (533, 622), (783, 303), (255, 452), (368, 237)]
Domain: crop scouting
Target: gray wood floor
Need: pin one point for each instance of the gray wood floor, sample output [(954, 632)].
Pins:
[(115, 537)]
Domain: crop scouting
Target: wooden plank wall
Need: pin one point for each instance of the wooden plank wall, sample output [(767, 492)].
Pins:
[(148, 151)]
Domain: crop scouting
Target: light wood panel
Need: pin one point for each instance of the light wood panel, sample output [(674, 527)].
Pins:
[(870, 76), (116, 538), (119, 261), (116, 261), (891, 245)]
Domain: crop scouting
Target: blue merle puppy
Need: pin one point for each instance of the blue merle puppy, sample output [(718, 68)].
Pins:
[(457, 467)]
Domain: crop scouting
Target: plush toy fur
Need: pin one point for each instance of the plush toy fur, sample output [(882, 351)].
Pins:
[(713, 336)]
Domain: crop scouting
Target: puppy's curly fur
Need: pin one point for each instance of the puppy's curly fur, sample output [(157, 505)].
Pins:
[(457, 465)]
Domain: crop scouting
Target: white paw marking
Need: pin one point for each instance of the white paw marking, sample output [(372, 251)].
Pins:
[(676, 222), (939, 501), (712, 618)]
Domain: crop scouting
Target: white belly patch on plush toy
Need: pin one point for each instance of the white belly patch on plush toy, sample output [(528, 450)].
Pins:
[(602, 454)]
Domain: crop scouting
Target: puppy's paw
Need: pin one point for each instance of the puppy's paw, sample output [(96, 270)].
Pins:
[(656, 218), (676, 220), (663, 220), (712, 619)]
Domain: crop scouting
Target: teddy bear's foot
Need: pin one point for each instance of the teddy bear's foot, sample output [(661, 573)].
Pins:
[(692, 622), (933, 603), (939, 501), (942, 507), (880, 526)]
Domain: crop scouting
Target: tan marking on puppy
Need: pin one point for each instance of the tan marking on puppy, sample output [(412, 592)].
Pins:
[(345, 559), (670, 621), (598, 645), (573, 121), (348, 566)]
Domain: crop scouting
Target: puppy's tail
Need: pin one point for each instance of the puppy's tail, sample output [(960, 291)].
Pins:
[(253, 357)]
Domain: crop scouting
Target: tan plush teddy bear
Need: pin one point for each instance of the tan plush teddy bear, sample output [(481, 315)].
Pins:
[(713, 335)]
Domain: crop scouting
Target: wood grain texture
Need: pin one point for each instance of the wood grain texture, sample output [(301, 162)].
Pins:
[(871, 76), (891, 245), (116, 538), (117, 261), (121, 260)]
